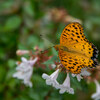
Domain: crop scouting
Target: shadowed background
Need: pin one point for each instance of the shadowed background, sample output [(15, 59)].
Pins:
[(22, 22)]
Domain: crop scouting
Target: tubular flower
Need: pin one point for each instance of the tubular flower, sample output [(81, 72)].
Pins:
[(25, 70), (96, 96), (84, 72), (65, 87), (52, 79)]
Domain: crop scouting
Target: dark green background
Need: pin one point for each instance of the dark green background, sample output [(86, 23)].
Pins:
[(20, 29)]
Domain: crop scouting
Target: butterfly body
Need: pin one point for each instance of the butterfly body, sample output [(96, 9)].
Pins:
[(75, 51)]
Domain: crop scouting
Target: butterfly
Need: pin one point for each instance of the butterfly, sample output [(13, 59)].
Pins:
[(75, 51)]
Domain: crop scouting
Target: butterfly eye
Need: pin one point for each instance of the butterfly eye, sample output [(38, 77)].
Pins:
[(56, 47)]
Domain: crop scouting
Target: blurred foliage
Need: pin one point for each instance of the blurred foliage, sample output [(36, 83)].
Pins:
[(21, 23)]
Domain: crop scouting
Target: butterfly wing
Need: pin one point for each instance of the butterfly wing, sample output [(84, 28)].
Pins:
[(74, 39), (74, 62), (72, 33)]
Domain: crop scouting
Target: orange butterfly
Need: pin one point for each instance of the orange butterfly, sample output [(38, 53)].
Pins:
[(75, 51)]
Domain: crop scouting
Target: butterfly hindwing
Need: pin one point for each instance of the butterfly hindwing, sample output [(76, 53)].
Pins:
[(74, 62)]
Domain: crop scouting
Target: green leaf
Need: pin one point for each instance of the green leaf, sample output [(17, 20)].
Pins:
[(28, 9), (12, 23), (75, 83), (11, 63), (32, 41), (5, 5), (3, 73)]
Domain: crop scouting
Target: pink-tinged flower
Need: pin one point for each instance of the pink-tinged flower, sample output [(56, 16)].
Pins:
[(96, 96), (65, 87), (22, 52), (25, 70), (84, 72), (52, 79)]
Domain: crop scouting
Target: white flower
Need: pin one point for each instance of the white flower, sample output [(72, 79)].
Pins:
[(51, 80), (25, 70), (78, 76), (65, 87), (84, 72), (53, 66), (96, 96)]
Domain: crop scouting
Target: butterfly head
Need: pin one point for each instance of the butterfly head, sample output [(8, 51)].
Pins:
[(60, 47)]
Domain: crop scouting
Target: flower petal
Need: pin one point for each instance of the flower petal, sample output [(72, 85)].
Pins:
[(25, 70), (23, 59), (96, 96), (84, 72), (32, 62), (45, 76), (65, 87), (51, 80)]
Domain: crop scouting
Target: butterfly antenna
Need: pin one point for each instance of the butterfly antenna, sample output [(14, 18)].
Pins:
[(45, 39), (46, 49)]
